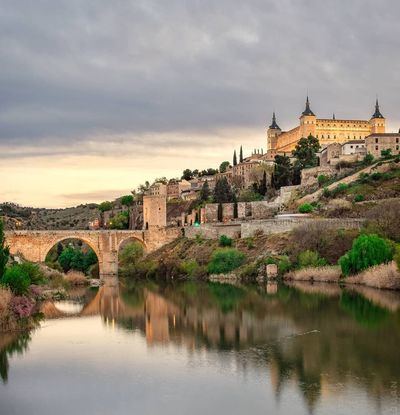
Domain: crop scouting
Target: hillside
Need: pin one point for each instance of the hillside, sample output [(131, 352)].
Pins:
[(19, 217)]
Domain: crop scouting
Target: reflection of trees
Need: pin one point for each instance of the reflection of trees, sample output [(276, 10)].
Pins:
[(10, 345), (317, 339)]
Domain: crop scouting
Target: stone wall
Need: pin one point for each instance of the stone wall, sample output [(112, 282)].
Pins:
[(310, 176), (278, 225), (247, 229)]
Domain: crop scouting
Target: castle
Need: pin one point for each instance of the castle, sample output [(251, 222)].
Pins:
[(326, 130)]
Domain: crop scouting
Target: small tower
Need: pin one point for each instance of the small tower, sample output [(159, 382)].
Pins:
[(377, 121), (272, 133), (308, 121)]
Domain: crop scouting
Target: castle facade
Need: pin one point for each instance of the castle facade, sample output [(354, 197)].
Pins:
[(327, 130)]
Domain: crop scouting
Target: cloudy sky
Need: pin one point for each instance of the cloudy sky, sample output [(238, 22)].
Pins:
[(97, 96)]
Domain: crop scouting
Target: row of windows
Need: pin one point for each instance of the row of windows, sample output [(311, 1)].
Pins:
[(377, 148), (334, 137), (341, 125), (377, 138)]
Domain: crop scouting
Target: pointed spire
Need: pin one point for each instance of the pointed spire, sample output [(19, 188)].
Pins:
[(334, 117), (307, 111), (377, 113), (274, 125)]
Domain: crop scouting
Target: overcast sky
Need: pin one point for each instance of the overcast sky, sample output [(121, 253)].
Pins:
[(97, 96)]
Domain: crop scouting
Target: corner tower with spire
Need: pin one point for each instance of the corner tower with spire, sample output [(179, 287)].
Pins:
[(308, 121), (377, 120), (272, 133)]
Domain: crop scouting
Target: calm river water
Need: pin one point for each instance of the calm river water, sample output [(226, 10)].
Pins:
[(207, 348)]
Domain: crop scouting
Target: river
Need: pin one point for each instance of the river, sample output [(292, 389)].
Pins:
[(207, 348)]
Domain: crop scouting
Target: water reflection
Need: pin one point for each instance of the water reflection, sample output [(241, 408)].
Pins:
[(322, 339)]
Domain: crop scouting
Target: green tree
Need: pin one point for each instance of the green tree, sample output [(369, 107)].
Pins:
[(4, 250), (127, 200), (283, 172), (105, 206), (66, 257), (367, 251), (187, 174), (368, 159), (223, 166), (223, 192), (17, 279), (204, 192), (262, 188), (306, 152), (120, 221), (234, 158), (225, 260), (241, 155)]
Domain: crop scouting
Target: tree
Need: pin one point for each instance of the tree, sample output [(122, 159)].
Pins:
[(223, 166), (241, 155), (187, 174), (66, 257), (234, 158), (283, 172), (262, 188), (105, 206), (306, 152), (205, 192), (127, 200), (367, 251), (4, 250), (120, 221), (223, 192), (220, 213)]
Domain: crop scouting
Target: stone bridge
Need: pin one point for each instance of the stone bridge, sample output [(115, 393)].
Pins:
[(35, 245)]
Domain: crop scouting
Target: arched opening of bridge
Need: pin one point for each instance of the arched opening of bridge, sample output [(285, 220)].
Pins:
[(74, 257), (130, 253)]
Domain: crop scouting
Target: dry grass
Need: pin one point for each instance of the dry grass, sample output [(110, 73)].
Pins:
[(385, 276), (320, 274), (76, 278), (5, 299)]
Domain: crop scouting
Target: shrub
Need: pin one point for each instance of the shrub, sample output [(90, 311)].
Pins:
[(34, 272), (368, 159), (225, 241), (225, 260), (130, 254), (358, 198), (249, 271), (199, 239), (284, 265), (321, 274), (376, 176), (250, 242), (386, 153), (22, 306), (384, 276), (76, 278), (341, 187), (190, 267), (306, 208), (322, 179), (310, 259), (327, 193), (17, 279), (367, 251)]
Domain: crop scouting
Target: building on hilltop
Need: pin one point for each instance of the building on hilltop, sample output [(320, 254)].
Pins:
[(326, 130)]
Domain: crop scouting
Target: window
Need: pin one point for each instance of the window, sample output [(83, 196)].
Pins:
[(376, 140), (376, 148), (351, 146), (397, 147), (397, 139)]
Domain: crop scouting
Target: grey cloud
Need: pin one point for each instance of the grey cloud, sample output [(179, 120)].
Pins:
[(74, 69)]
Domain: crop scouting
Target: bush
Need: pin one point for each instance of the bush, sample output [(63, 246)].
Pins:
[(35, 274), (189, 268), (326, 193), (131, 253), (17, 279), (310, 259), (284, 265), (385, 219), (341, 187), (322, 179), (250, 243), (225, 260), (368, 159), (249, 272), (358, 198), (367, 251), (225, 241), (306, 208)]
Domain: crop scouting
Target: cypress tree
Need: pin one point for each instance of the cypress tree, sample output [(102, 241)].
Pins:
[(263, 186), (241, 154), (219, 212), (205, 192), (234, 158), (4, 250)]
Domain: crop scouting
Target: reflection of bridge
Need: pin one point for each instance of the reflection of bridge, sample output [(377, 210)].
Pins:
[(35, 245)]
